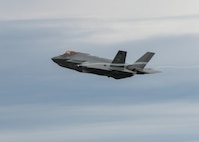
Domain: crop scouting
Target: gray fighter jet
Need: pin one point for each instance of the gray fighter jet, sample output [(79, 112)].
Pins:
[(116, 68)]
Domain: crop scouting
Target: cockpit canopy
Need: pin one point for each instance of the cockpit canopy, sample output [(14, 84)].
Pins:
[(69, 52)]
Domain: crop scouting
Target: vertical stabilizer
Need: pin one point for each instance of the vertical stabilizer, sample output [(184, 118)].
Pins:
[(120, 58), (142, 61)]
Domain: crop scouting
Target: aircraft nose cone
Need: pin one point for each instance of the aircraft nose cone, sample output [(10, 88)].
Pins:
[(54, 59)]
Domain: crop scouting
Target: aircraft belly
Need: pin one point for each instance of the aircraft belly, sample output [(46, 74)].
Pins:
[(96, 71), (109, 73), (120, 74)]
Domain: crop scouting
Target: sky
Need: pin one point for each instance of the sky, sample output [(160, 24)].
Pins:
[(40, 101)]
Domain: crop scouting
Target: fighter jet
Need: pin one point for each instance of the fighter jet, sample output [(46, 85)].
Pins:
[(116, 68)]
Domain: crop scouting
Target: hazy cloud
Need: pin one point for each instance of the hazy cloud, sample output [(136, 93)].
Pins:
[(21, 9), (40, 101), (102, 122)]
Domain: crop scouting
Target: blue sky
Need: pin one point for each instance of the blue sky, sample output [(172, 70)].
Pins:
[(40, 101)]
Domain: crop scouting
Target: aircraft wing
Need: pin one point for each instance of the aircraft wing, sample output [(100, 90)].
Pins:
[(105, 67)]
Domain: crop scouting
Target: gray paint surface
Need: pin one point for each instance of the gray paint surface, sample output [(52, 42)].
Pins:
[(116, 68)]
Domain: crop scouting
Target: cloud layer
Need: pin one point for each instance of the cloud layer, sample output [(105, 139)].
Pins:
[(100, 122), (22, 9), (40, 101)]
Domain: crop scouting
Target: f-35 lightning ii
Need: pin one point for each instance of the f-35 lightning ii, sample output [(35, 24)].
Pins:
[(116, 68)]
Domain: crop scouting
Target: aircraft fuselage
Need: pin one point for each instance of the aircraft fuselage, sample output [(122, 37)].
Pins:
[(86, 63)]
